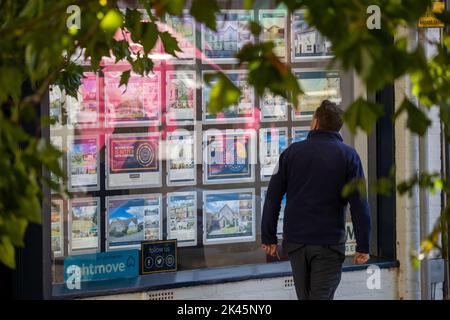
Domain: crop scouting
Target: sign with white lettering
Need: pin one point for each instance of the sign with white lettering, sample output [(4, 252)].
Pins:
[(350, 243), (102, 266), (158, 256)]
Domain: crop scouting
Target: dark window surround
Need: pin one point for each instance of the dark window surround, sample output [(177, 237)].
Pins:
[(385, 159)]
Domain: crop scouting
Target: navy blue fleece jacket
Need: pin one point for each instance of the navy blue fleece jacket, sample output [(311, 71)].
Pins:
[(312, 174)]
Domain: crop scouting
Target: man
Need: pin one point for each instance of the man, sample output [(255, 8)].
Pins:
[(312, 174)]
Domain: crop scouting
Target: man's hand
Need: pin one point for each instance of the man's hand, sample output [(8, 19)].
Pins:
[(270, 249), (360, 258)]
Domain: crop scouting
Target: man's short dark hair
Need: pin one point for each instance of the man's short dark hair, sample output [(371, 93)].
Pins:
[(329, 116)]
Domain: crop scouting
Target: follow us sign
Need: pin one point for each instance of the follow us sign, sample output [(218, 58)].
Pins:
[(100, 266)]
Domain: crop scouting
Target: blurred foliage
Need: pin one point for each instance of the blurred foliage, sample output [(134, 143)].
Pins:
[(266, 71), (20, 181), (364, 114), (223, 92), (382, 186), (37, 47)]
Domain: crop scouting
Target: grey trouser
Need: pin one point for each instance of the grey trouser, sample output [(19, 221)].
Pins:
[(317, 270)]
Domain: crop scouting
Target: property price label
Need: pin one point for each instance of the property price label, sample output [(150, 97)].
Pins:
[(158, 256)]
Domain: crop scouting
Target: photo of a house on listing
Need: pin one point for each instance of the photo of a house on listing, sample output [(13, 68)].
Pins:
[(229, 216), (273, 24), (133, 219), (307, 42), (232, 34)]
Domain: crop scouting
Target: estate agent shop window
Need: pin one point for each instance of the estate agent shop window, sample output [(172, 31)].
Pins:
[(148, 162)]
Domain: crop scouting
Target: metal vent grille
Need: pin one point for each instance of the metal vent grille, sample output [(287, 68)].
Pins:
[(289, 283), (161, 295)]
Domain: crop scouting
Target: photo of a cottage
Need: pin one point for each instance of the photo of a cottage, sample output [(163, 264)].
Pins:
[(274, 29), (273, 32), (307, 41), (231, 35), (128, 219), (224, 221), (121, 227), (228, 218), (222, 40), (243, 109)]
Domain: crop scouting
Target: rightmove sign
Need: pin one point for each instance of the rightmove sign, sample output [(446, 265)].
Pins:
[(100, 266)]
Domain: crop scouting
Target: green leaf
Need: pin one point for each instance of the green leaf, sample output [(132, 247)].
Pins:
[(31, 60), (417, 121), (50, 157), (255, 28), (69, 79), (384, 186), (141, 65), (149, 36), (31, 209), (10, 83), (204, 11), (415, 261), (133, 24), (355, 185), (16, 227), (120, 50), (124, 77), (267, 71), (362, 114), (7, 252), (170, 43), (111, 21), (430, 181), (223, 93)]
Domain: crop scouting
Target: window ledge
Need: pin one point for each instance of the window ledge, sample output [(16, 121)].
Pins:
[(190, 278)]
